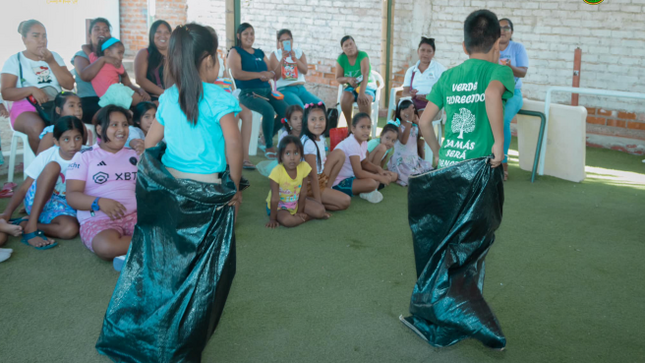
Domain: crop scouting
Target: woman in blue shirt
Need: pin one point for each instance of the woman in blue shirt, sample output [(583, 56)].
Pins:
[(249, 68), (513, 55)]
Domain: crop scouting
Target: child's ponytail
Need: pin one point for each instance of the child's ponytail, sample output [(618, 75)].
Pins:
[(189, 45)]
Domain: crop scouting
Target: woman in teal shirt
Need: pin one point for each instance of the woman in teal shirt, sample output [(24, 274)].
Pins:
[(351, 65)]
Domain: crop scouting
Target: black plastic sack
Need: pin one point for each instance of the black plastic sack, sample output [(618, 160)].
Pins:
[(178, 272), (453, 214)]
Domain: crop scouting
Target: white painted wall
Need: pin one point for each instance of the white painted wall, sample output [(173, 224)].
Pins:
[(64, 20)]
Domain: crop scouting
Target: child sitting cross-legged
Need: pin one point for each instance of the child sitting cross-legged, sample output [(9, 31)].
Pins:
[(358, 176), (44, 190), (287, 203), (101, 183)]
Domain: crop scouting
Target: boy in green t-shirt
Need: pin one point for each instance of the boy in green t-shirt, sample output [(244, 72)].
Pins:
[(474, 94)]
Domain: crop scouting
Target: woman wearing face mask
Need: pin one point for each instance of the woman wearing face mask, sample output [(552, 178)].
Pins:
[(249, 67), (149, 62), (513, 55), (420, 78), (25, 74), (290, 65), (86, 71)]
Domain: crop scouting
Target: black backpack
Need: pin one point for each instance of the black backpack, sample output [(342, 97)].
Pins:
[(332, 119)]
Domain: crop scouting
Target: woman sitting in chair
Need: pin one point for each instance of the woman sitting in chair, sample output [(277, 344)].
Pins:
[(420, 78), (351, 65)]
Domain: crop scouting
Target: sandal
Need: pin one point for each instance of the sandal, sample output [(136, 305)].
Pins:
[(248, 165), (271, 155), (26, 237), (17, 221)]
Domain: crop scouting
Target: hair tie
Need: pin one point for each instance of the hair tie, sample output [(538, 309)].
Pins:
[(284, 120), (396, 123), (320, 103), (108, 43)]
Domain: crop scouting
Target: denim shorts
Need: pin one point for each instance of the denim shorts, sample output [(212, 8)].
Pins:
[(345, 186), (368, 91)]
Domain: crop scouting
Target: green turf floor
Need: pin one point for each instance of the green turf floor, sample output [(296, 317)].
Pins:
[(565, 278)]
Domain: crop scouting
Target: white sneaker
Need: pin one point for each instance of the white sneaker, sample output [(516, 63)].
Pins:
[(118, 263), (7, 250), (373, 197), (4, 256)]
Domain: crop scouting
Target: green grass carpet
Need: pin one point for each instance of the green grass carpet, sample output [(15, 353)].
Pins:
[(565, 278)]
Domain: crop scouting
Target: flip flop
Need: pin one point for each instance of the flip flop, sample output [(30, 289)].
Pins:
[(26, 237), (271, 155), (17, 221), (248, 165)]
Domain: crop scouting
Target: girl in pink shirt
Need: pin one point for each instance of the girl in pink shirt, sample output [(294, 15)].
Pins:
[(358, 175), (100, 184), (112, 84)]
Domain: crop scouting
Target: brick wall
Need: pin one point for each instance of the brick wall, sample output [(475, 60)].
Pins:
[(134, 21), (611, 36)]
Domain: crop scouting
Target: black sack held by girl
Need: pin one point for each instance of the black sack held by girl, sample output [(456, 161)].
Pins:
[(166, 312), (454, 213)]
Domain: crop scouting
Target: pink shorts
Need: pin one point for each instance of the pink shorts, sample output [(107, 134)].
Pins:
[(18, 108), (90, 228)]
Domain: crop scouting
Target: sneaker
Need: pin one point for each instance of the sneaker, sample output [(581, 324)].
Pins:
[(118, 263), (373, 197), (4, 256)]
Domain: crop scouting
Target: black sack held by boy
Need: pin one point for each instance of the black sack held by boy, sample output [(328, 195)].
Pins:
[(454, 213)]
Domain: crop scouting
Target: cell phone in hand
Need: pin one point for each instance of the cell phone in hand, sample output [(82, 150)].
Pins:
[(286, 45)]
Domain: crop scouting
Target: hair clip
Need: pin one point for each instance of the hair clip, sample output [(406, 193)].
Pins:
[(396, 123), (307, 105), (284, 120), (403, 100), (320, 103)]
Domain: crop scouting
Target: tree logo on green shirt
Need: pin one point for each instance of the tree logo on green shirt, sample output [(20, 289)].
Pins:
[(593, 2), (464, 121)]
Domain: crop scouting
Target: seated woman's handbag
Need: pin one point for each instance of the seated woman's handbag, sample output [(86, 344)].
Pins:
[(45, 110)]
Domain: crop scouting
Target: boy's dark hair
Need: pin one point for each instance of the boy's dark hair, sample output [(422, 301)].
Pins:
[(282, 32), (59, 102), (102, 119), (67, 123), (428, 41), (388, 128), (99, 48), (189, 45), (402, 106), (155, 58), (25, 26), (359, 116), (287, 116), (289, 139), (305, 126), (140, 110), (240, 30), (481, 31)]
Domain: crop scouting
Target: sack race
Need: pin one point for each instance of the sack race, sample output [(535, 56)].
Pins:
[(454, 213), (178, 271)]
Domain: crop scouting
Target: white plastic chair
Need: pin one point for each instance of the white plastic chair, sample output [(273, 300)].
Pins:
[(375, 105), (92, 139), (391, 108), (257, 121), (28, 155)]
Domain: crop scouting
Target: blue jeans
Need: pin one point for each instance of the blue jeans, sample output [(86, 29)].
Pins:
[(512, 107), (298, 95), (268, 109)]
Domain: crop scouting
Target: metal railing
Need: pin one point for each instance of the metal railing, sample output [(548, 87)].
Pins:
[(584, 91)]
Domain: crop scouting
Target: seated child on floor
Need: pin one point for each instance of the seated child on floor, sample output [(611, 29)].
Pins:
[(292, 125), (143, 116), (65, 104), (379, 149), (101, 183), (112, 83), (287, 202), (44, 190), (358, 176), (406, 159), (327, 168)]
